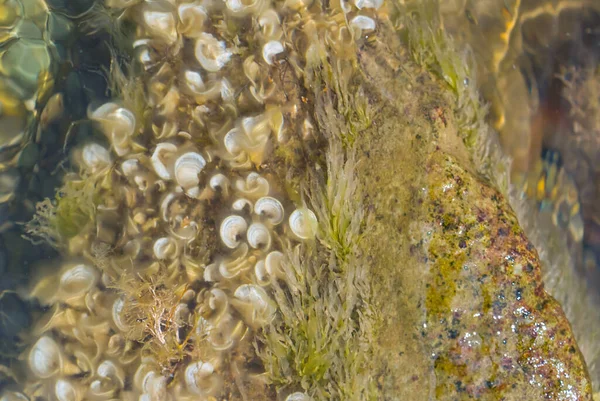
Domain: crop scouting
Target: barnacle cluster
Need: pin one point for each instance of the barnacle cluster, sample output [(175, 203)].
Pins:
[(185, 245)]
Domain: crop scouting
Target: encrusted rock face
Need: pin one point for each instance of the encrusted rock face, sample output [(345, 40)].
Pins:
[(492, 329)]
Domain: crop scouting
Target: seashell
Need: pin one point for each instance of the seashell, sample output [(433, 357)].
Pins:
[(254, 305), (117, 123), (117, 312), (270, 208), (116, 345), (187, 168), (95, 157), (271, 24), (303, 223), (201, 379), (13, 396), (273, 265), (241, 204), (162, 159), (65, 391), (191, 19), (260, 271), (130, 167), (253, 187), (270, 50), (362, 22), (232, 229), (161, 24), (237, 263), (227, 92), (194, 82), (155, 387), (211, 53), (259, 236), (219, 183), (360, 4), (45, 358), (109, 370), (211, 273), (165, 248), (298, 396), (227, 333), (218, 302), (77, 281)]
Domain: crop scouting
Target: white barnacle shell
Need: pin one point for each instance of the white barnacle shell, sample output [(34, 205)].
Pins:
[(259, 236), (254, 305), (194, 82), (232, 229), (238, 262), (241, 204), (187, 168), (253, 187), (211, 53), (298, 396), (110, 371), (45, 359), (191, 19), (117, 314), (270, 208), (219, 182), (117, 123), (363, 23), (303, 223), (77, 282), (360, 4), (165, 248), (161, 24), (270, 50), (95, 157), (162, 159), (201, 379), (66, 391)]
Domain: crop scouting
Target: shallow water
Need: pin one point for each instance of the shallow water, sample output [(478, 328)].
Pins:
[(536, 66)]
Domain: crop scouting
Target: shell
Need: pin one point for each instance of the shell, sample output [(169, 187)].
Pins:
[(95, 157), (232, 228), (273, 265), (45, 358), (65, 391), (117, 123), (360, 4), (364, 23), (298, 396), (238, 262), (165, 248), (270, 208), (191, 19), (219, 182), (193, 81), (201, 379), (303, 223), (271, 24), (109, 370), (241, 204), (187, 168), (130, 167), (261, 274), (270, 50), (253, 187), (117, 312), (161, 24), (259, 236), (77, 281), (255, 306), (211, 53), (13, 396), (162, 159)]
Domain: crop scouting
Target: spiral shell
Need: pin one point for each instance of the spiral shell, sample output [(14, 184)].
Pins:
[(77, 281), (241, 204), (219, 182), (162, 159), (237, 263), (363, 23), (259, 236), (95, 157), (45, 358), (201, 379), (191, 19), (254, 305), (232, 229), (161, 24), (303, 223), (65, 391), (360, 4), (117, 123), (211, 53), (270, 208), (187, 168), (253, 187), (117, 314), (165, 248), (270, 50)]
